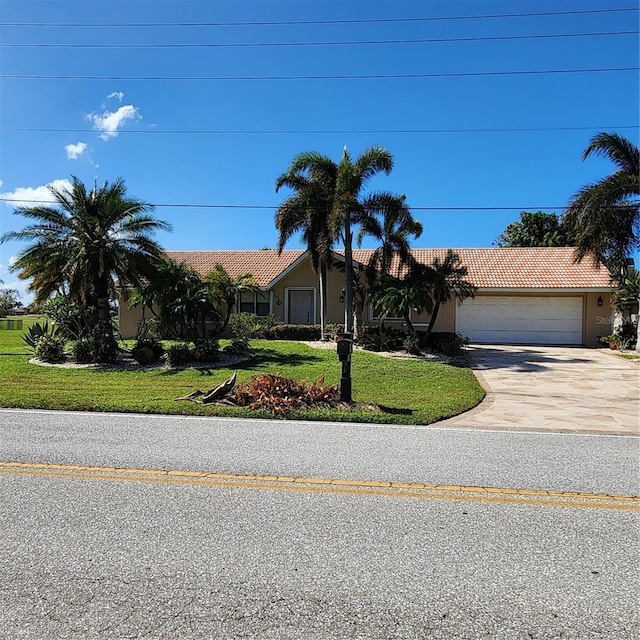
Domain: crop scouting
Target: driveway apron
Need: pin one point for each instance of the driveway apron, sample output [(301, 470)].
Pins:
[(565, 389)]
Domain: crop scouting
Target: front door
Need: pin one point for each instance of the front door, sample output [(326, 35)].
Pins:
[(302, 306)]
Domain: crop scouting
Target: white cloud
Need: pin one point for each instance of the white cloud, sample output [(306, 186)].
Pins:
[(32, 196), (110, 121), (116, 94), (74, 151)]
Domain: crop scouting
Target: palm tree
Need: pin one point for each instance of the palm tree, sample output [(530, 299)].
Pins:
[(176, 294), (351, 209), (86, 243), (398, 296), (312, 178), (605, 216), (390, 222), (446, 280), (229, 290)]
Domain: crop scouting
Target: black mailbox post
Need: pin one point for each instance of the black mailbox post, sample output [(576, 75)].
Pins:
[(345, 349)]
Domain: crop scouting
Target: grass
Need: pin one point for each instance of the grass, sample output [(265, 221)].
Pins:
[(409, 391)]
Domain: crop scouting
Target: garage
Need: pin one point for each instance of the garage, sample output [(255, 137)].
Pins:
[(521, 319)]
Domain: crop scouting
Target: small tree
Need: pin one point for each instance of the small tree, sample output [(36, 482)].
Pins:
[(8, 300)]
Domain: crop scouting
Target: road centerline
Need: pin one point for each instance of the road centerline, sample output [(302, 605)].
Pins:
[(537, 497)]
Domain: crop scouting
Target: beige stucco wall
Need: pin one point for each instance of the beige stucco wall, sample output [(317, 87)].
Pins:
[(129, 319)]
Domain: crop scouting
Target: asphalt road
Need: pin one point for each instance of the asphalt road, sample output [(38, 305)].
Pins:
[(185, 545)]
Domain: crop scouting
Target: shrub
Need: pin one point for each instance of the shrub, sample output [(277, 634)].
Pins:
[(294, 332), (37, 331), (446, 342), (411, 345), (375, 338), (179, 354), (50, 348), (105, 348), (153, 345), (82, 350), (207, 350), (73, 320), (242, 326)]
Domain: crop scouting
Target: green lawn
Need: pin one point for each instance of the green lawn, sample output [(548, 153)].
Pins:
[(410, 391)]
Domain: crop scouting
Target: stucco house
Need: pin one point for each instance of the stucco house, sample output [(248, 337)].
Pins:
[(525, 295)]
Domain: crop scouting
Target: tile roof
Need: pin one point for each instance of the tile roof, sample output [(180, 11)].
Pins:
[(499, 268), (519, 268), (264, 264)]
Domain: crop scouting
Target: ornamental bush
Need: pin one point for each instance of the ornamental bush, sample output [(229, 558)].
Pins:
[(50, 348)]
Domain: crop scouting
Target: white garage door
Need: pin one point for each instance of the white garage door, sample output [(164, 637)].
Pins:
[(521, 320)]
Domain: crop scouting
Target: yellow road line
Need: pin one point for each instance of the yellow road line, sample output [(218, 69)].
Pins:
[(328, 485)]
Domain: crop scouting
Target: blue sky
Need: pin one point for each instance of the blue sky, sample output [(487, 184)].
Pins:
[(460, 139)]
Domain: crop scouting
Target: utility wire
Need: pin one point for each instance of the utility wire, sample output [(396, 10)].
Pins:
[(268, 207), (319, 22), (399, 76), (312, 131), (332, 43)]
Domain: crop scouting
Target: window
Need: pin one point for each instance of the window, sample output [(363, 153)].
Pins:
[(256, 303)]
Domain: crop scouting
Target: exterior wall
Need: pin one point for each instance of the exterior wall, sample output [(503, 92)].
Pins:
[(444, 322), (598, 321), (128, 319)]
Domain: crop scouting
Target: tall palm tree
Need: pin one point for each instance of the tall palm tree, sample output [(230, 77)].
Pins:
[(447, 279), (90, 240), (312, 178), (605, 215), (351, 208)]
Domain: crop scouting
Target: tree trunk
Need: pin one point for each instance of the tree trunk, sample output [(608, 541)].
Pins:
[(323, 299), (410, 328), (434, 317), (348, 276)]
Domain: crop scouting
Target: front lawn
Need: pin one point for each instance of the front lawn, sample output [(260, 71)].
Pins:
[(409, 391)]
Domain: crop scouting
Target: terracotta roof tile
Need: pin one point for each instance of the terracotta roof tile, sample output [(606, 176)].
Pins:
[(264, 264), (519, 268), (510, 268)]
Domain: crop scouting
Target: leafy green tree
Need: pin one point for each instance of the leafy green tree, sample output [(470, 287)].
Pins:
[(446, 279), (536, 229), (8, 300), (228, 290), (605, 215), (84, 244), (312, 178)]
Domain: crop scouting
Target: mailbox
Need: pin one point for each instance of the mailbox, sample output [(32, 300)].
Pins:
[(345, 349)]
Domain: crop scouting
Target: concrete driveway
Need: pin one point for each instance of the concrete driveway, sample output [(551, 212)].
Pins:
[(554, 389)]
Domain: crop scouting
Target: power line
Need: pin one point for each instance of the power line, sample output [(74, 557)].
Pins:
[(269, 207), (397, 76), (318, 22), (314, 131), (221, 45)]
